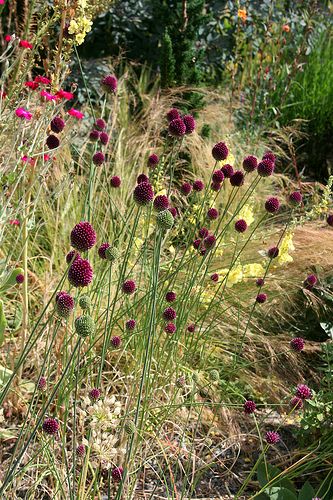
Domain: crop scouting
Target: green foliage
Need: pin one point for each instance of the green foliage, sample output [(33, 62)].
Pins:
[(167, 62)]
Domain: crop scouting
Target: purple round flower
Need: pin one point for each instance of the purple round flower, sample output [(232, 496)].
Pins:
[(72, 255), (129, 287), (218, 176), (329, 220), (241, 226), (189, 123), (214, 277), (169, 314), (94, 135), (109, 83), (265, 168), (172, 114), (80, 273), (215, 186), (130, 324), (170, 296), (143, 194), (295, 198), (57, 124), (94, 394), (19, 279), (272, 205), (170, 328), (198, 185), (41, 384), (161, 202), (303, 391), (100, 124), (191, 327), (249, 407), (203, 232), (102, 249), (220, 151), (310, 281), (297, 344), (116, 341), (104, 138), (227, 170), (52, 141), (261, 298), (272, 437), (115, 181), (117, 473), (250, 163), (260, 282), (153, 160), (51, 426), (64, 304), (173, 211), (196, 243), (296, 403), (142, 178), (212, 214), (177, 127), (83, 236), (98, 158), (269, 156), (209, 241), (237, 178), (273, 252), (186, 188), (81, 450)]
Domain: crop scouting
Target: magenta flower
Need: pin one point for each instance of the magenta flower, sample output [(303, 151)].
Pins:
[(220, 151), (83, 236), (23, 113), (249, 407), (63, 94), (47, 95), (303, 391), (272, 437), (76, 113), (297, 344)]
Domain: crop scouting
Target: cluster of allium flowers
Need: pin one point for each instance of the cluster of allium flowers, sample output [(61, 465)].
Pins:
[(174, 212), (172, 114), (94, 135), (51, 426), (269, 156), (129, 287), (153, 160), (81, 450), (177, 127), (272, 205), (220, 151), (265, 168), (142, 178), (52, 141), (170, 296), (170, 328), (130, 324), (241, 226), (303, 391), (103, 138), (295, 198), (206, 243), (273, 252), (237, 178), (198, 185), (57, 124), (94, 394), (250, 163), (64, 304), (186, 188), (218, 176), (261, 298), (260, 282), (297, 344), (227, 170), (143, 194), (169, 314), (189, 124), (98, 158), (310, 281), (83, 236), (212, 214), (109, 84), (249, 407), (161, 202), (102, 249), (80, 273), (272, 437), (115, 181)]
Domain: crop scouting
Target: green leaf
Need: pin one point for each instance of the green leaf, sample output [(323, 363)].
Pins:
[(267, 474), (320, 417), (306, 492), (281, 494), (3, 323)]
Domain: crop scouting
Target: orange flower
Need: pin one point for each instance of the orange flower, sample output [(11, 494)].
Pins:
[(286, 28), (242, 14)]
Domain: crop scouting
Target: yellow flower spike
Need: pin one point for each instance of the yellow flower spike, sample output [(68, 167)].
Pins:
[(246, 213)]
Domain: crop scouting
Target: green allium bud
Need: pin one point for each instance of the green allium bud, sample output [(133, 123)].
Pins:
[(84, 302), (129, 427), (84, 326), (164, 219), (214, 375), (112, 254)]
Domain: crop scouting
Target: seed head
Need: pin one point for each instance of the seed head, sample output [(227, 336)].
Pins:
[(129, 427), (84, 326), (214, 375)]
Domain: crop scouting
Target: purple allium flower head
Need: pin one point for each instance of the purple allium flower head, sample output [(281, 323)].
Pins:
[(237, 178), (169, 314), (57, 124), (214, 277), (177, 128), (109, 84), (64, 304), (129, 287), (295, 198), (203, 232), (153, 160), (329, 220), (297, 344), (265, 168), (172, 114), (94, 135), (142, 178), (102, 249), (198, 185), (19, 279), (220, 151), (273, 252), (116, 341), (115, 181), (170, 296), (260, 282), (261, 298), (296, 403), (186, 188), (143, 194), (100, 124), (189, 123), (51, 426), (170, 328), (72, 254), (249, 407), (83, 236), (80, 273), (81, 450), (191, 327), (161, 202), (269, 156), (41, 384), (117, 473), (209, 241), (215, 186), (196, 243), (310, 281), (130, 324), (303, 391), (104, 138), (250, 163), (94, 394), (272, 205), (218, 176), (52, 141), (241, 226), (272, 437), (212, 214), (98, 158), (174, 212), (227, 170)]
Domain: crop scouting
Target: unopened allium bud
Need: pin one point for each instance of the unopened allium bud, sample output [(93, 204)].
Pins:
[(165, 220), (112, 254), (84, 326), (84, 302), (214, 375)]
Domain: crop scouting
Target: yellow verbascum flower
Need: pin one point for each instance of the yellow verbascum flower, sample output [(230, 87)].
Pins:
[(286, 246), (254, 270), (229, 161), (246, 213), (80, 27), (235, 276)]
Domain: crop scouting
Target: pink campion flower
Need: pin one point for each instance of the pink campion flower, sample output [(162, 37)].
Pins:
[(14, 222), (63, 94), (42, 79), (25, 44), (28, 159), (23, 113), (76, 113), (7, 37), (46, 157), (47, 95), (31, 85), (2, 2)]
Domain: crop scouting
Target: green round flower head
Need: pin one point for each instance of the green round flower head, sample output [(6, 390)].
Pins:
[(84, 302), (112, 254), (84, 326), (214, 375), (129, 427), (165, 219)]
